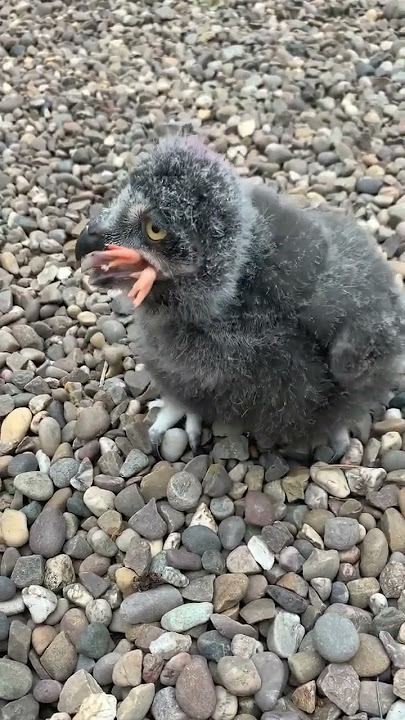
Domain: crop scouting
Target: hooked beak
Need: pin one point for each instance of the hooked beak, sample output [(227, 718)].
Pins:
[(90, 239)]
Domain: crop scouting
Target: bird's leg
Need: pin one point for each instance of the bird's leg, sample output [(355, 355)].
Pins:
[(194, 430), (327, 446), (337, 442), (169, 415)]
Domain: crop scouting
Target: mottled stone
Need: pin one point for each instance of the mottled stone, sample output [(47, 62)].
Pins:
[(151, 605), (213, 646), (229, 589), (195, 691), (375, 697), (259, 509), (94, 641), (183, 491), (184, 617), (127, 672), (59, 658), (304, 697), (285, 634), (341, 685), (341, 533), (15, 679), (137, 703), (148, 522), (392, 579), (76, 688), (239, 676), (240, 560), (170, 644), (34, 485), (166, 707), (321, 563)]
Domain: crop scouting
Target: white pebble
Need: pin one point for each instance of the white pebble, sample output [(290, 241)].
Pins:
[(393, 413), (377, 602), (261, 553), (99, 611), (390, 441), (39, 601), (98, 500)]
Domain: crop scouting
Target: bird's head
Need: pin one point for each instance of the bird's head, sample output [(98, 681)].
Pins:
[(182, 220)]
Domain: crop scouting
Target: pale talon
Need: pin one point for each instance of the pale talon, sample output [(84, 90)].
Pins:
[(155, 403), (168, 417)]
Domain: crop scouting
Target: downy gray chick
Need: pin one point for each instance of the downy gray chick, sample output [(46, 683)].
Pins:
[(286, 319)]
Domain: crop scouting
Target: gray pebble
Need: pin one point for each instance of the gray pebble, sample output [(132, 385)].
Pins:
[(62, 471), (341, 533), (15, 679), (148, 523), (149, 606), (113, 331), (7, 589), (34, 485), (49, 435), (217, 482), (135, 462), (199, 538), (26, 462), (48, 533), (92, 422), (183, 491), (94, 642), (336, 638), (4, 626), (166, 707), (28, 570), (213, 646), (26, 707), (231, 532)]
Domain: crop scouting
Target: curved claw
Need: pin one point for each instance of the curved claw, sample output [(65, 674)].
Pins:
[(155, 438)]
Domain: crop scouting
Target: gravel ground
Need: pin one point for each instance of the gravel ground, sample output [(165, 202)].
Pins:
[(232, 584)]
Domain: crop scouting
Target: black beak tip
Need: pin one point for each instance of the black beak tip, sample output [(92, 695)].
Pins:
[(87, 243)]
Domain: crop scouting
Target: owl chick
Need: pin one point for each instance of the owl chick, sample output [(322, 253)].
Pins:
[(249, 309)]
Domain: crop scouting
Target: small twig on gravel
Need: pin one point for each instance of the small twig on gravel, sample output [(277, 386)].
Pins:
[(103, 373)]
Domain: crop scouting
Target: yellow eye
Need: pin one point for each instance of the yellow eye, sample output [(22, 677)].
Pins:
[(153, 232)]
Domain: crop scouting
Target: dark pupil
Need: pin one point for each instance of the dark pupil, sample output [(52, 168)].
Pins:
[(155, 229)]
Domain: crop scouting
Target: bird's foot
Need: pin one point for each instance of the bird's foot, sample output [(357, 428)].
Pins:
[(325, 447), (333, 449), (169, 415)]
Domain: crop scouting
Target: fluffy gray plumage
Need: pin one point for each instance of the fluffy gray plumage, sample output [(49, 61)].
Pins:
[(286, 318)]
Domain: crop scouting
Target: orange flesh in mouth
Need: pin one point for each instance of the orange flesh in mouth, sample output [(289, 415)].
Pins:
[(116, 256)]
